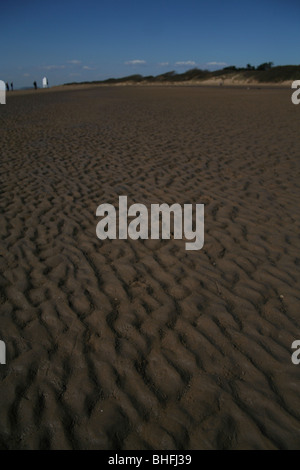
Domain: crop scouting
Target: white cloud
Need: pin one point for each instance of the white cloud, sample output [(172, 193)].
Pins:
[(74, 62), (163, 64), (216, 63), (86, 67), (26, 74), (135, 62), (185, 62), (53, 67)]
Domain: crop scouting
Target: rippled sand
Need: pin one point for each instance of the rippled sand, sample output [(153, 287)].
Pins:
[(126, 344)]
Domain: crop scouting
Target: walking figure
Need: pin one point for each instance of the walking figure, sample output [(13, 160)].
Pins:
[(35, 85), (7, 86), (12, 86)]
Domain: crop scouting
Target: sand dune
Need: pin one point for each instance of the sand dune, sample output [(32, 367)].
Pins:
[(124, 344)]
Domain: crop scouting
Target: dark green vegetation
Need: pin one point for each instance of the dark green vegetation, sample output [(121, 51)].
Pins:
[(264, 73)]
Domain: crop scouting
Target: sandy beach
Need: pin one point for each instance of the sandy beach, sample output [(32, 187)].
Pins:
[(141, 344)]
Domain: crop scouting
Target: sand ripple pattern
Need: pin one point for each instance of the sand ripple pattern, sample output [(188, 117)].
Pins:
[(141, 344)]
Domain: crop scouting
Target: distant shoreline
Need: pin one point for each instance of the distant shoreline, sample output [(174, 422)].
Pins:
[(191, 84)]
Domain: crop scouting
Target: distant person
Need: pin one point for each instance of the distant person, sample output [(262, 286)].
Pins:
[(35, 85), (12, 86), (7, 86)]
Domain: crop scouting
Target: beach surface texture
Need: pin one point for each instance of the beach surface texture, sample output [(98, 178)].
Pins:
[(141, 344)]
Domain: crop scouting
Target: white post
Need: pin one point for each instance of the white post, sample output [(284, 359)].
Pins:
[(45, 82), (2, 92), (2, 353)]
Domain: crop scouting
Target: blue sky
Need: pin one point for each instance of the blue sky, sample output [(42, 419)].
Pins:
[(76, 40)]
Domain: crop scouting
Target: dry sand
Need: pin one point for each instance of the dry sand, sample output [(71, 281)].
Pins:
[(126, 344)]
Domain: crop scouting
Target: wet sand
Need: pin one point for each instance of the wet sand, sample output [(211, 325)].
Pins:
[(124, 344)]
